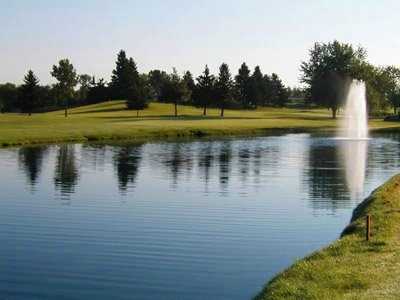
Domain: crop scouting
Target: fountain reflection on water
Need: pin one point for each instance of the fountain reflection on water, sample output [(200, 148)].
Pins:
[(354, 137), (354, 157)]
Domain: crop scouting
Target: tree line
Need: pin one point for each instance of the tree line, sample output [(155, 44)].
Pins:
[(246, 89)]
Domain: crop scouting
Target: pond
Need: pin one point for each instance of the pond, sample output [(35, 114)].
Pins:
[(209, 219)]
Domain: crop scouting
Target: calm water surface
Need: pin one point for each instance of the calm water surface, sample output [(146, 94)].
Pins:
[(176, 220)]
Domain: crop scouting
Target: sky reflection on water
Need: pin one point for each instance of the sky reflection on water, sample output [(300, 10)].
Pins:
[(191, 220)]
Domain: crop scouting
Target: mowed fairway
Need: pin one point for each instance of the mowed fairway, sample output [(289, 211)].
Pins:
[(110, 120)]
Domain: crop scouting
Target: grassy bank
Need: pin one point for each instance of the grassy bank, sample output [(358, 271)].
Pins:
[(351, 268), (110, 120)]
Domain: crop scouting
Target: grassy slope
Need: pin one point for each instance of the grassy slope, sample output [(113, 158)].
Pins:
[(110, 120), (351, 268)]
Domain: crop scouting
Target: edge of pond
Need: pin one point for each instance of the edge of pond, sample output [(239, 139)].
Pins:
[(350, 267), (193, 134)]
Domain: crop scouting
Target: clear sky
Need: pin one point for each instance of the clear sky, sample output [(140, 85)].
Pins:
[(163, 34)]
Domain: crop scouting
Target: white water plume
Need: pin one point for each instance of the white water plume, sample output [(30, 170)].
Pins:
[(355, 121), (354, 135)]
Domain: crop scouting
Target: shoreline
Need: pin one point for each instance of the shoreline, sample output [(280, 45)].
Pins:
[(351, 267), (192, 134)]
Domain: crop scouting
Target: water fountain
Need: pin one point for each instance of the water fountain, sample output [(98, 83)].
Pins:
[(354, 135), (355, 122)]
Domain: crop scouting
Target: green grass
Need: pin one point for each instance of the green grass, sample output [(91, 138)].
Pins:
[(351, 268), (110, 120)]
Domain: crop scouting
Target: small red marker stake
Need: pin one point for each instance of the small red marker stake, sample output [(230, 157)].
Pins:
[(368, 223)]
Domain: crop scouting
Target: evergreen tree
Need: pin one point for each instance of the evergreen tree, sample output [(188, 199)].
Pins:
[(128, 85), (175, 91), (257, 87), (279, 92), (205, 90), (29, 93), (224, 88), (191, 85), (243, 84), (67, 79), (125, 77), (267, 90)]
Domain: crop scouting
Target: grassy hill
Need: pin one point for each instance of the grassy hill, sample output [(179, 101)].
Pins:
[(110, 120)]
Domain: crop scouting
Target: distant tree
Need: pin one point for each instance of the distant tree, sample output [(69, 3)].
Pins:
[(175, 91), (257, 88), (120, 78), (394, 98), (267, 90), (29, 93), (128, 85), (224, 88), (296, 92), (157, 79), (191, 85), (67, 79), (84, 81), (389, 84), (243, 84), (381, 84), (8, 97), (125, 77), (47, 97), (278, 90), (326, 70), (205, 90), (98, 91), (140, 94)]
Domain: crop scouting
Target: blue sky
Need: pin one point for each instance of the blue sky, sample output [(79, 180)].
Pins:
[(276, 35)]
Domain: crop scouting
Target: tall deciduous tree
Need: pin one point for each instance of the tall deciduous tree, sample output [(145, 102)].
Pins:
[(29, 93), (205, 90), (394, 98), (224, 88), (388, 82), (67, 79), (325, 71)]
